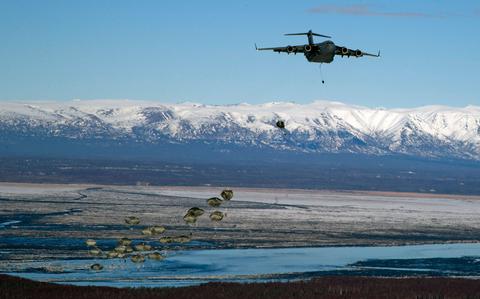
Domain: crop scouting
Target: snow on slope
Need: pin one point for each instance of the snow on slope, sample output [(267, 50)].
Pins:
[(320, 126)]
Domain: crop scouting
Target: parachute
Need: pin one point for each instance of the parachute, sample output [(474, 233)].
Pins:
[(181, 239), (214, 202), (132, 220), (195, 212), (155, 256), (124, 241), (216, 216), (147, 232), (165, 240), (96, 267), (91, 242), (138, 258), (112, 254), (95, 251), (142, 247), (227, 194), (280, 124), (153, 230), (156, 230)]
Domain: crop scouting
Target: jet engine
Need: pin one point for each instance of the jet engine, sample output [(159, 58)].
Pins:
[(344, 51), (307, 48), (358, 53), (290, 49)]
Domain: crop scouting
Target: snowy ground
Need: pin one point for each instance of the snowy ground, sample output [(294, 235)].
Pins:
[(255, 217), (43, 230)]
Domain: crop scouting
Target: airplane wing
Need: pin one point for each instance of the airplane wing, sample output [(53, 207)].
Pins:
[(287, 49), (343, 51), (373, 55)]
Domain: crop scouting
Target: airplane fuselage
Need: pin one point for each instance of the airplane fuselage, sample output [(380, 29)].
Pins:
[(323, 52)]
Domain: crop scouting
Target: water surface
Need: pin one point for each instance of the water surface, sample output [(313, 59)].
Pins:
[(192, 267)]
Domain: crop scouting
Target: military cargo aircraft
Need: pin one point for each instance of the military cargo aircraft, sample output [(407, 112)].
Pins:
[(323, 52)]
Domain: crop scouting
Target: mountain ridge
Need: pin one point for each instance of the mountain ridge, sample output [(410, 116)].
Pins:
[(320, 126)]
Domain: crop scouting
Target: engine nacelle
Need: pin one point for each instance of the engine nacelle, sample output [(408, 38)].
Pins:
[(307, 48), (344, 51), (290, 49), (358, 53)]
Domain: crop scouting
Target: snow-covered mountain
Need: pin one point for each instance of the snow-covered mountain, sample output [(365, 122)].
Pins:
[(431, 131)]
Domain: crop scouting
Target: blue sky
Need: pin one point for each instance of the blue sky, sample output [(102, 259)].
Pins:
[(203, 51)]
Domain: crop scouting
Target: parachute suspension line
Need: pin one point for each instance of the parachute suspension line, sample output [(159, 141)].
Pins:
[(321, 73)]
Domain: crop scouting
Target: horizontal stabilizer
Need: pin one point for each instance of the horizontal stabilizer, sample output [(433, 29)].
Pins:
[(309, 33)]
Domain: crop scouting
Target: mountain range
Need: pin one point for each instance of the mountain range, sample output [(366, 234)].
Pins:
[(318, 127)]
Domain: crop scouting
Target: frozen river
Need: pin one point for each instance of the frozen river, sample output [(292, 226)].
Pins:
[(192, 267)]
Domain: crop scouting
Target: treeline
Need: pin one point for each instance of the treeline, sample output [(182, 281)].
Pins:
[(327, 287)]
